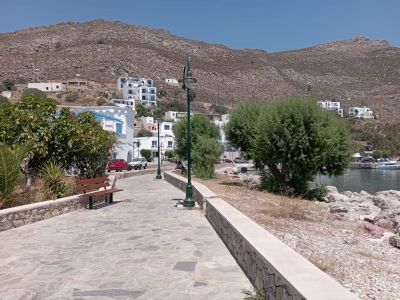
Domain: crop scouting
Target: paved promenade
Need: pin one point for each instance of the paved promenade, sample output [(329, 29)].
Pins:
[(139, 248)]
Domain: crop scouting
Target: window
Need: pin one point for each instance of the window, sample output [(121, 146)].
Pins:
[(149, 82), (166, 127), (143, 90), (118, 128), (169, 144), (130, 85), (130, 92), (144, 97), (47, 88), (153, 91), (153, 144), (57, 87)]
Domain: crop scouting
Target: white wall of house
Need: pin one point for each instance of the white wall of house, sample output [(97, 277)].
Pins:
[(361, 112), (116, 119), (172, 81), (128, 103), (332, 106), (47, 86), (6, 94), (151, 143), (141, 89)]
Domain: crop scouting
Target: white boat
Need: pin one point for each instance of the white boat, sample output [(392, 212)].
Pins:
[(389, 165)]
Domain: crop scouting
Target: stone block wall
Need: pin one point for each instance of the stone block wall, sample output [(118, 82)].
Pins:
[(273, 268)]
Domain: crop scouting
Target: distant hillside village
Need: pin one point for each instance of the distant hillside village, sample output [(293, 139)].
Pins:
[(134, 132)]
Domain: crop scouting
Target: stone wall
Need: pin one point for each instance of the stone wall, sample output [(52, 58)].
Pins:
[(273, 268), (25, 214), (134, 173)]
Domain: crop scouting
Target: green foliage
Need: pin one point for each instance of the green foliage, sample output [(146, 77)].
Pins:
[(144, 133), (162, 93), (253, 295), (219, 109), (74, 142), (10, 170), (9, 84), (35, 93), (241, 129), (52, 174), (169, 154), (146, 153), (200, 126), (380, 154), (142, 111), (295, 140), (3, 100), (174, 105), (71, 97), (205, 155), (317, 193)]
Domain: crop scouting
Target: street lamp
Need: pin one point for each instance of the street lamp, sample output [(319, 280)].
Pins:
[(158, 143), (187, 86)]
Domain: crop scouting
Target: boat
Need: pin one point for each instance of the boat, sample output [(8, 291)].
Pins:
[(389, 165)]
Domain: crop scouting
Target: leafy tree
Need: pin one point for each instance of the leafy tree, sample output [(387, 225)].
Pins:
[(32, 92), (241, 128), (219, 109), (162, 93), (205, 155), (200, 126), (295, 140), (169, 154), (146, 153), (144, 133), (71, 97), (101, 101)]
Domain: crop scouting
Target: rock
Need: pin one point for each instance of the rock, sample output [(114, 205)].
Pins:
[(387, 200), (395, 241), (331, 189), (375, 231)]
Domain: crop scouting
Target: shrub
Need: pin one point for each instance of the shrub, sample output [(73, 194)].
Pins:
[(101, 101), (144, 133), (219, 109), (9, 84), (35, 93), (3, 100), (169, 154), (146, 154), (70, 97), (53, 177), (162, 93), (205, 154)]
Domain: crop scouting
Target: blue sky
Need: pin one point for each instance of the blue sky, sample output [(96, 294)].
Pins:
[(271, 25)]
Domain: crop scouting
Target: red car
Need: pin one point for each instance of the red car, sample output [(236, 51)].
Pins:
[(118, 165)]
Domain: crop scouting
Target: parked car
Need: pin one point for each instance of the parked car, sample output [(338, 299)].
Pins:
[(118, 165), (138, 163), (239, 160)]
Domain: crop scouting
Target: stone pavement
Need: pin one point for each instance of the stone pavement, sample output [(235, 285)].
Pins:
[(139, 248)]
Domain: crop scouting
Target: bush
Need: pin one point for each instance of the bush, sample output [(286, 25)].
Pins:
[(205, 154), (169, 154), (142, 111), (71, 97), (144, 133), (146, 154), (219, 109), (9, 84), (53, 177), (101, 101), (162, 93), (295, 140), (4, 100), (35, 93)]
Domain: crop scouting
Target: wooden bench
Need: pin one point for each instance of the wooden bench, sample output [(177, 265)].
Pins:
[(90, 187)]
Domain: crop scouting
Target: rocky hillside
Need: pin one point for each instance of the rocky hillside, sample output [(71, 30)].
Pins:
[(357, 71)]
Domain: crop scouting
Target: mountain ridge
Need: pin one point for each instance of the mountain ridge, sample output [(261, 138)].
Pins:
[(357, 72)]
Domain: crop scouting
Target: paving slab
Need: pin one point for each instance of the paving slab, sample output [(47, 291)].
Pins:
[(141, 247)]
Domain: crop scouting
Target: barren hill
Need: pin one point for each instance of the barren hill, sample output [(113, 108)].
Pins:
[(357, 71)]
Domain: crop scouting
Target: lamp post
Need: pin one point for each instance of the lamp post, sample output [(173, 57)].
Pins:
[(158, 144), (187, 86)]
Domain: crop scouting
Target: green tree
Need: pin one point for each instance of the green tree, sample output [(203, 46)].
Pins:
[(241, 128), (31, 92), (200, 126), (205, 155), (219, 109), (169, 154), (295, 140), (144, 133), (146, 153), (71, 97)]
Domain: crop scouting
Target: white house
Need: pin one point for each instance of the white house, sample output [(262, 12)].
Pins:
[(172, 81), (128, 103), (332, 106), (140, 89), (361, 112), (151, 143), (175, 115), (47, 86), (116, 119)]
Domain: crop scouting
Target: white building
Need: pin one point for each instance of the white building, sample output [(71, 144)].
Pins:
[(128, 103), (47, 86), (361, 112), (333, 106), (116, 119), (175, 115), (140, 89), (221, 123), (172, 81)]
